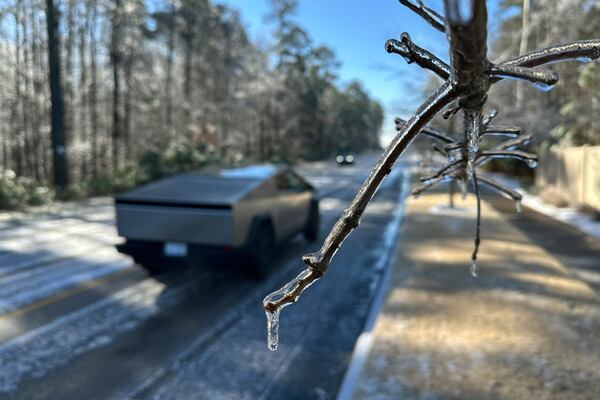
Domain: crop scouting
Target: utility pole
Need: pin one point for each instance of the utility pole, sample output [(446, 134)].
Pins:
[(59, 153)]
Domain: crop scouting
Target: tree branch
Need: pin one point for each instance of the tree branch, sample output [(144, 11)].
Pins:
[(415, 54), (583, 50), (514, 195), (451, 111), (477, 239), (442, 171), (502, 131), (433, 18), (319, 262), (540, 77), (518, 154), (431, 132)]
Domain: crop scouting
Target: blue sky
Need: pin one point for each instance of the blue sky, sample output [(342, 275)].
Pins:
[(357, 31)]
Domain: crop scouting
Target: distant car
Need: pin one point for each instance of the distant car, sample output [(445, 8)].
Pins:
[(345, 159), (241, 212)]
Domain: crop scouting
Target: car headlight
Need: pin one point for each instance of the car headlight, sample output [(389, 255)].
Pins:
[(350, 158), (339, 159)]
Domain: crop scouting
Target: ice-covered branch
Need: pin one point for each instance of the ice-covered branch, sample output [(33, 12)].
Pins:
[(442, 171), (510, 144), (583, 51), (502, 131), (542, 78), (319, 262), (477, 239), (427, 131), (415, 54), (529, 158), (514, 195), (433, 18), (451, 111)]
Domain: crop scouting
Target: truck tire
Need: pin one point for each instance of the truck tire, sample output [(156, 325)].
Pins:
[(311, 230), (261, 247)]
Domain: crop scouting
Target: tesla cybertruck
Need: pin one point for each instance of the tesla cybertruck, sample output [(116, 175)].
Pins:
[(216, 214)]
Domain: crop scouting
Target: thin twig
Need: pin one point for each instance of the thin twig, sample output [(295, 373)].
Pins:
[(502, 130), (538, 76), (415, 54), (431, 132), (451, 111), (442, 171), (518, 154), (583, 50), (514, 195), (426, 13), (477, 239)]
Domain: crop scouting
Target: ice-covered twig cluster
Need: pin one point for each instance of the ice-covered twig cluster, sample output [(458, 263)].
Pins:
[(467, 80), (456, 153)]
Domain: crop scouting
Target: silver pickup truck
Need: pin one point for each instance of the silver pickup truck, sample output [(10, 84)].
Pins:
[(239, 213)]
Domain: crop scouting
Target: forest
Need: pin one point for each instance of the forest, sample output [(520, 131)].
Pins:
[(568, 115), (150, 88)]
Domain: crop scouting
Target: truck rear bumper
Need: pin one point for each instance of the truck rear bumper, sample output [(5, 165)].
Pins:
[(149, 252)]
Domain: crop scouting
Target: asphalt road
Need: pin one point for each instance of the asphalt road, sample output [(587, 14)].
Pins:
[(80, 321)]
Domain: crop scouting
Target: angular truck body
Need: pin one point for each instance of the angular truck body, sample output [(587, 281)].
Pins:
[(244, 211)]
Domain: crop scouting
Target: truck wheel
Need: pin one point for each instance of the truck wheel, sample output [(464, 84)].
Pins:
[(311, 231), (261, 247)]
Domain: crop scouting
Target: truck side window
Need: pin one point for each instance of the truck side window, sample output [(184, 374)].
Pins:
[(295, 183), (289, 182), (282, 183)]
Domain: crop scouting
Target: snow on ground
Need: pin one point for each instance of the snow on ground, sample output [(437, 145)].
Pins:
[(567, 215)]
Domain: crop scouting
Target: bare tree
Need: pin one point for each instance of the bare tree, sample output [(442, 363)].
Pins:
[(467, 81)]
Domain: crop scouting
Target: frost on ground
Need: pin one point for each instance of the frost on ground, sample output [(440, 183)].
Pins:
[(567, 215), (57, 343)]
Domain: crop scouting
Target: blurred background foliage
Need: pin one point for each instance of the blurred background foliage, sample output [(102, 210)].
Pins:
[(152, 88)]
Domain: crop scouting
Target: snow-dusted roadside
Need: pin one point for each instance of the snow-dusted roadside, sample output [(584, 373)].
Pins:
[(567, 215)]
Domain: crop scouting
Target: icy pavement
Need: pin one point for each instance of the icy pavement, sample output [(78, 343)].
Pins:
[(41, 350), (148, 340)]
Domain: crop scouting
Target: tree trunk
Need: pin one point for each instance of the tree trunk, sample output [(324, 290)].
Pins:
[(115, 60), (93, 96), (57, 114), (523, 44)]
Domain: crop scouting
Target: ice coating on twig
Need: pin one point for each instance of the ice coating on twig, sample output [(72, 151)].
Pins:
[(281, 298)]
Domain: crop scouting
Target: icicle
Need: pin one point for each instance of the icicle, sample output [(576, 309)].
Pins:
[(518, 206), (532, 163), (473, 268), (543, 87), (272, 329)]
